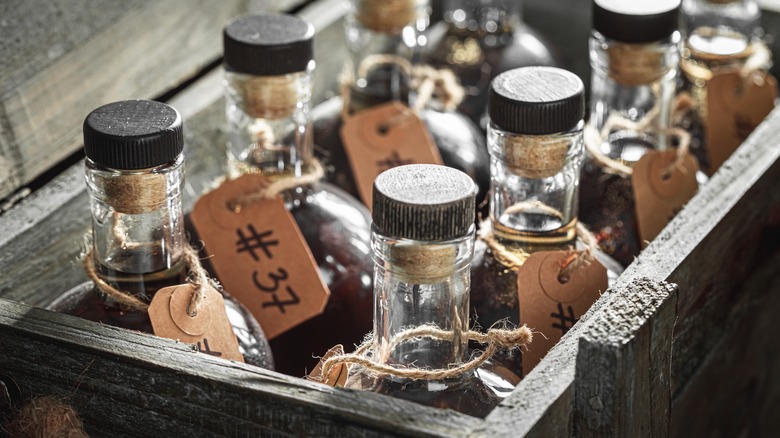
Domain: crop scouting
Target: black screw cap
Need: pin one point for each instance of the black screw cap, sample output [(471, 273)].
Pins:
[(636, 21)]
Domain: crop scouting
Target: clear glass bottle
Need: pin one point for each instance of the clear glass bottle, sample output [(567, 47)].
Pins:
[(720, 36), (423, 242), (480, 39), (134, 174), (380, 27), (536, 148), (634, 54), (268, 71)]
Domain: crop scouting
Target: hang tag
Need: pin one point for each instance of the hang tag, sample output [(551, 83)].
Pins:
[(551, 307), (209, 330), (735, 106), (658, 199), (337, 377), (260, 255), (384, 137)]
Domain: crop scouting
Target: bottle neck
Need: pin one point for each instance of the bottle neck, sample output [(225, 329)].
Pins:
[(483, 17), (137, 219), (633, 83), (534, 186), (384, 38), (269, 123), (421, 284)]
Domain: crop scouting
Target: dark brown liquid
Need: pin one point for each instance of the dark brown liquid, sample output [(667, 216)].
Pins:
[(507, 51), (460, 143), (85, 301), (475, 393), (337, 229), (607, 205)]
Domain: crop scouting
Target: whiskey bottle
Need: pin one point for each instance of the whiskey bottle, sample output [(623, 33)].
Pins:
[(536, 147), (423, 242), (385, 40), (135, 174), (268, 79)]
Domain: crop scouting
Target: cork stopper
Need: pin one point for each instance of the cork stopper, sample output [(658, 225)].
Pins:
[(135, 193), (536, 104), (386, 16), (425, 263), (267, 97), (636, 64)]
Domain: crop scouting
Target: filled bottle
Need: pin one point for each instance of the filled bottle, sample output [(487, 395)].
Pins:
[(536, 147), (480, 39), (268, 78), (423, 242), (135, 174), (634, 55), (385, 40), (724, 73)]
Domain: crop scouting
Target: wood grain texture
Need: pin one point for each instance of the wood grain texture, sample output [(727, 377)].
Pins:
[(125, 383), (60, 59), (622, 383)]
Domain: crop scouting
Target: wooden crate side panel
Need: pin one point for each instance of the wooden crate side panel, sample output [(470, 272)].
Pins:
[(120, 380), (622, 385), (735, 390)]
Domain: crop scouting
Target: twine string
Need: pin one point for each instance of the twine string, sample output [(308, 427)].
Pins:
[(494, 339), (198, 277), (312, 172)]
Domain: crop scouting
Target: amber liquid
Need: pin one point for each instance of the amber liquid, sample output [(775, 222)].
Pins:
[(460, 143), (85, 301), (474, 393), (337, 229), (476, 63)]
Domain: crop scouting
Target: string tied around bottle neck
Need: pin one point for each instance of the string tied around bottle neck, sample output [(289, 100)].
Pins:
[(494, 339), (198, 277), (595, 138), (430, 84), (514, 258), (312, 172)]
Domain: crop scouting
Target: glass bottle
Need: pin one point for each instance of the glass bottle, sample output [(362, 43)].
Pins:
[(721, 36), (134, 174), (536, 147), (380, 27), (478, 40), (268, 80), (423, 242), (634, 53)]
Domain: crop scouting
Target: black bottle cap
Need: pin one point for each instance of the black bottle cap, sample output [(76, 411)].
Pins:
[(536, 100), (133, 134), (268, 44), (636, 21), (424, 202)]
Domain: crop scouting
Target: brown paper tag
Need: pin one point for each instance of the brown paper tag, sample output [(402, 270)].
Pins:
[(551, 307), (658, 199), (735, 106), (209, 330), (384, 137), (260, 256), (337, 376)]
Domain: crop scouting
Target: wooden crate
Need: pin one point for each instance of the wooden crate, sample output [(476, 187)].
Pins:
[(649, 358)]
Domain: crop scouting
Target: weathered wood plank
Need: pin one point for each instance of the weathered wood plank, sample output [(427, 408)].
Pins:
[(125, 383), (622, 383), (60, 59)]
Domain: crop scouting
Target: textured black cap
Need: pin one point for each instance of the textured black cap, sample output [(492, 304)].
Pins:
[(424, 202), (133, 134), (536, 100), (636, 21), (268, 44)]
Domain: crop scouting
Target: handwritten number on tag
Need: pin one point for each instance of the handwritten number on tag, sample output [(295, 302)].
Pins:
[(276, 278), (204, 348)]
